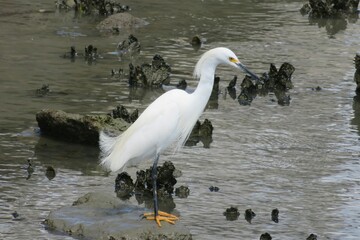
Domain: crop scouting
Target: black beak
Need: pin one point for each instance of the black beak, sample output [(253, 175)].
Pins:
[(247, 71)]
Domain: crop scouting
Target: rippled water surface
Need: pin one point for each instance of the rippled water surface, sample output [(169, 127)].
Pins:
[(302, 159)]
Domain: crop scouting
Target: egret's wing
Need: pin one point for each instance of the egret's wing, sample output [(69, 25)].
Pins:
[(156, 128)]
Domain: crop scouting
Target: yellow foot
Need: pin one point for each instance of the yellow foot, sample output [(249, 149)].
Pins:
[(162, 216)]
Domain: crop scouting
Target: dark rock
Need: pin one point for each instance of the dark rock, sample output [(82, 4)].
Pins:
[(265, 236), (275, 215), (150, 75), (214, 189), (318, 88), (50, 173), (165, 178), (182, 192), (357, 73), (131, 46), (196, 43), (120, 21), (231, 214), (103, 216), (248, 92), (357, 61), (98, 7), (249, 215), (124, 186), (277, 81), (332, 14), (182, 84), (15, 214), (214, 97), (311, 237), (144, 182), (43, 91), (72, 54), (75, 127), (201, 132), (91, 54), (231, 87)]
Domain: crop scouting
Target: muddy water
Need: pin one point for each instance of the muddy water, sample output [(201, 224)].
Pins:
[(302, 159)]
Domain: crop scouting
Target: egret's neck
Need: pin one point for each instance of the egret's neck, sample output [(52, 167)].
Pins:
[(205, 86)]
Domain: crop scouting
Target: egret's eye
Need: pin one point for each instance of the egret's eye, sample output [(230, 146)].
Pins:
[(234, 60)]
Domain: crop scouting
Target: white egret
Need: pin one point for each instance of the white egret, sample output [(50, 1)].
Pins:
[(169, 119)]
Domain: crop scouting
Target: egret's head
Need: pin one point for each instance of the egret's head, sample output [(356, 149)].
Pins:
[(235, 62), (221, 55)]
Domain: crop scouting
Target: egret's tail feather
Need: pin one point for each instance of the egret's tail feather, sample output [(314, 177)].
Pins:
[(112, 154), (106, 144)]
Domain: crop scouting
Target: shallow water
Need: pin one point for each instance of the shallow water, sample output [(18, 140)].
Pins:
[(302, 159)]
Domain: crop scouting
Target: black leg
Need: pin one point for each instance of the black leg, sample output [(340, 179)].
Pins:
[(154, 177)]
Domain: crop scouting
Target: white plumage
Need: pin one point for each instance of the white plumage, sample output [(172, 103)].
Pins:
[(169, 119)]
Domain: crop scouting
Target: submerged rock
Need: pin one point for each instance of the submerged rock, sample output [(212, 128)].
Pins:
[(231, 214), (75, 127), (120, 21), (101, 215)]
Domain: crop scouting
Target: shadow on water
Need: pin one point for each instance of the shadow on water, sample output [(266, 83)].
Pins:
[(77, 157)]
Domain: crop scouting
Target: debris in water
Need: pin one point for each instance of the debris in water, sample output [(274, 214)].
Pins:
[(214, 189), (29, 169), (231, 214), (249, 215), (318, 88), (15, 215), (265, 236), (275, 215), (311, 237)]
